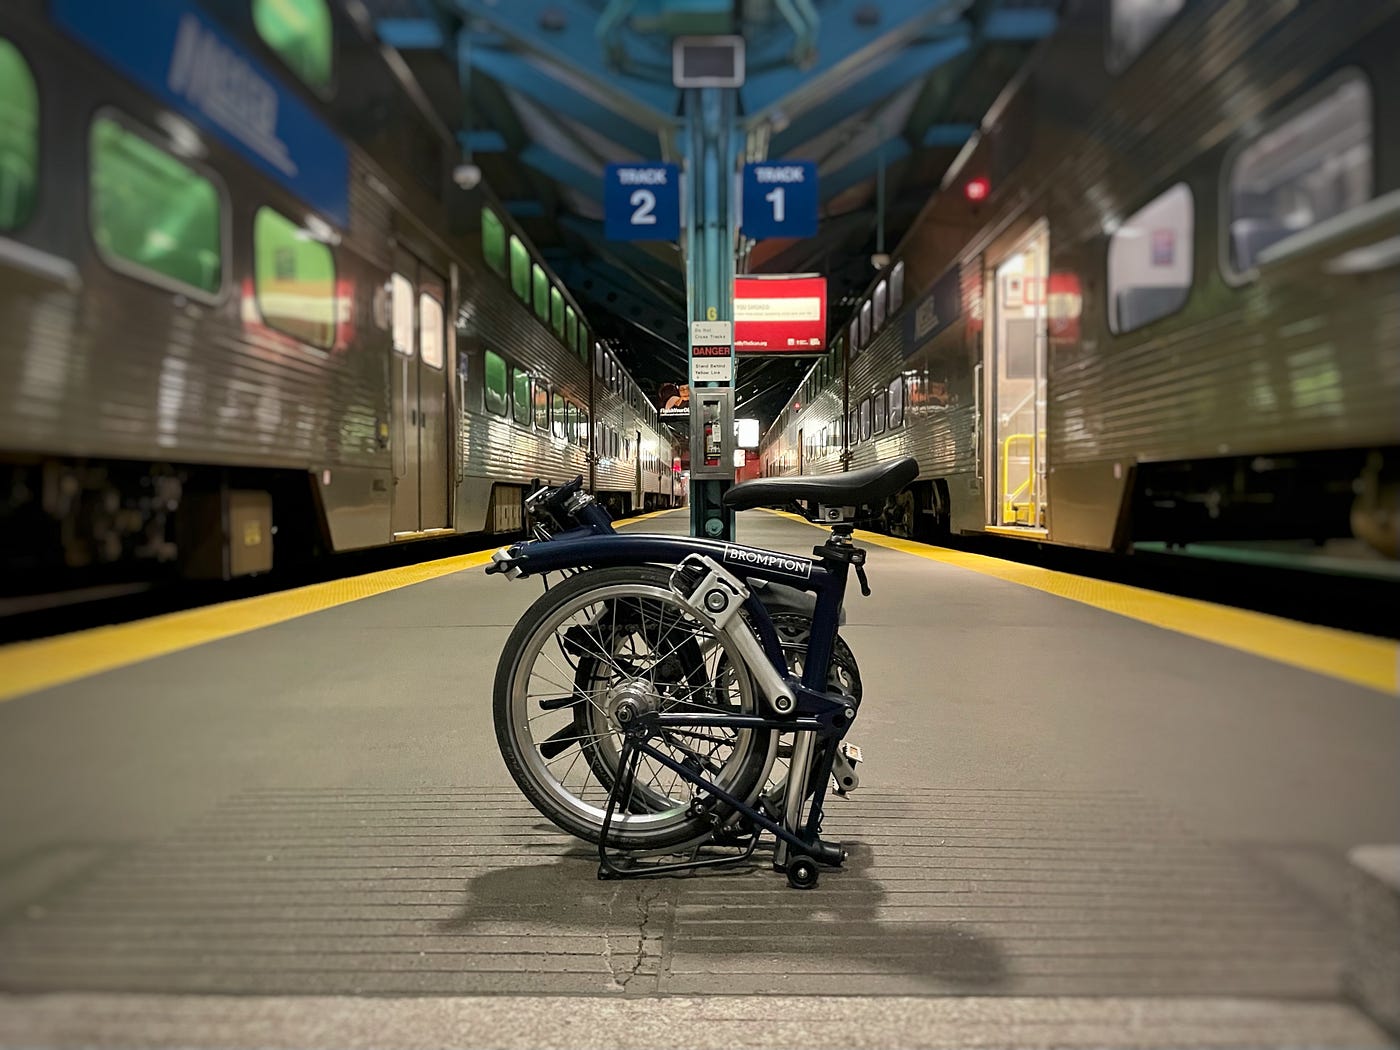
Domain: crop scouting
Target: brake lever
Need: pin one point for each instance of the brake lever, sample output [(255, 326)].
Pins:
[(864, 583)]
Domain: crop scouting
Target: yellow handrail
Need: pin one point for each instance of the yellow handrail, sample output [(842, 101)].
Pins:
[(1008, 498)]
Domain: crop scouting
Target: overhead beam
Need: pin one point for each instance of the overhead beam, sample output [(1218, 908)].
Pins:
[(948, 135), (877, 81), (1018, 25), (641, 266), (845, 46), (532, 80), (863, 167), (411, 34), (482, 141), (561, 33), (562, 170)]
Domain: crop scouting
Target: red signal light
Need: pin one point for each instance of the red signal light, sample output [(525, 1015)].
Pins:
[(977, 189)]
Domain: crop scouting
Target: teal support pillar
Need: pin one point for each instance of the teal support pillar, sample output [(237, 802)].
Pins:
[(712, 143)]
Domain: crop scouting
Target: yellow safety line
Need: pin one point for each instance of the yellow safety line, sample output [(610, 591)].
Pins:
[(29, 666), (1357, 658)]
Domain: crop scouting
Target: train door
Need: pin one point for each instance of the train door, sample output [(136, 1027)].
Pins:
[(419, 424), (1015, 387)]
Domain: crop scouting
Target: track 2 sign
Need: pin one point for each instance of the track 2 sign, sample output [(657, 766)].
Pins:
[(642, 202), (780, 199)]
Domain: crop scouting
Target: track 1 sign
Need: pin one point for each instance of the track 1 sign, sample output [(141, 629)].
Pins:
[(781, 314), (642, 202), (780, 199)]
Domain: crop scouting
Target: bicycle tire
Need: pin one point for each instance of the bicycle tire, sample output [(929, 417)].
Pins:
[(668, 830)]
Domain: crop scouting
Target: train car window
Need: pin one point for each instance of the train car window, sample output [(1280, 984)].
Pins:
[(852, 430), (855, 336), (896, 396), (866, 328), (293, 279), (881, 411), (495, 386), (583, 343), (1149, 261), (571, 422), (556, 312), (493, 241), (152, 214), (19, 138), (571, 329), (541, 406), (539, 281), (520, 396), (519, 269), (1312, 166), (557, 418), (401, 296), (1132, 25), (882, 291), (583, 428), (300, 31), (865, 420), (430, 334), (896, 287)]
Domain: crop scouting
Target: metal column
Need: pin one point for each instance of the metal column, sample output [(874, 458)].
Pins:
[(712, 144)]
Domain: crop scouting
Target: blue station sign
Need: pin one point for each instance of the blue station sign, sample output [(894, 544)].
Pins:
[(183, 58), (642, 202), (780, 199)]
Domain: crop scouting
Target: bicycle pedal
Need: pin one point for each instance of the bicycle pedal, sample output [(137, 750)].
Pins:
[(843, 768)]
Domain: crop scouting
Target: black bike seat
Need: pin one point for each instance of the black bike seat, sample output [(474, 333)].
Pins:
[(853, 489)]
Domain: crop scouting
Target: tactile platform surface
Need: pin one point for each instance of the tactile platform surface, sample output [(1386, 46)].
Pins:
[(948, 891)]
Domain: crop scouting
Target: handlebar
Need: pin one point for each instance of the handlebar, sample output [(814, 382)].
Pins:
[(567, 506)]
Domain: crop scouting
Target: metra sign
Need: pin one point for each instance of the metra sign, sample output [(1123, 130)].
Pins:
[(185, 60)]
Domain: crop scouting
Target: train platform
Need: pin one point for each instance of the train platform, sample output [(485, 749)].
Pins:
[(1088, 816)]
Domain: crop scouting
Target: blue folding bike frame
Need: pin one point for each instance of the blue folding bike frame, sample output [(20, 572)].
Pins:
[(594, 543)]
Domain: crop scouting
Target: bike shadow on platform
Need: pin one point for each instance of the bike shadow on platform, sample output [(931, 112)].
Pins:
[(727, 915)]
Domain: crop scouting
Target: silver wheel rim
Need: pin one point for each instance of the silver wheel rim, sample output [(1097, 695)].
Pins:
[(545, 671)]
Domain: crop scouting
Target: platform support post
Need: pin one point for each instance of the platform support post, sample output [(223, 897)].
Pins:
[(712, 143)]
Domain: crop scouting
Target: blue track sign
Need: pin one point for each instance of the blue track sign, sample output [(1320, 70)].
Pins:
[(642, 202), (780, 199)]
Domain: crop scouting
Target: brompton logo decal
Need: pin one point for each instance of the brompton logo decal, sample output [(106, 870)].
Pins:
[(776, 562)]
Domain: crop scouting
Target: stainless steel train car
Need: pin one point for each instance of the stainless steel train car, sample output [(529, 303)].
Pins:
[(247, 316), (1157, 297)]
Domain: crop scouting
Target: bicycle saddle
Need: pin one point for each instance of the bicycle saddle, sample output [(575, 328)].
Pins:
[(853, 489)]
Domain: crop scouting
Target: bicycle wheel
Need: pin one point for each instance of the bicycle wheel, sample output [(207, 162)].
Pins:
[(599, 637)]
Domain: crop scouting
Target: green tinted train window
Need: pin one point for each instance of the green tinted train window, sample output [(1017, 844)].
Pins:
[(571, 328), (19, 138), (493, 241), (520, 396), (541, 406), (556, 312), (300, 32), (540, 280), (519, 269), (495, 383), (294, 279), (153, 212)]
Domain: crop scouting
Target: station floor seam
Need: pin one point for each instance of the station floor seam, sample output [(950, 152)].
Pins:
[(1356, 658), (27, 667)]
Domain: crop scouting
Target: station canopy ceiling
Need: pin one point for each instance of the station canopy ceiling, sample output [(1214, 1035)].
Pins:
[(543, 94)]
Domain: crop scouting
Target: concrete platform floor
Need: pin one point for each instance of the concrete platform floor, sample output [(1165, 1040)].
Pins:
[(1073, 829)]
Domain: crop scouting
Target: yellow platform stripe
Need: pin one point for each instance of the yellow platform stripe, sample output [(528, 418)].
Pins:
[(26, 667), (1357, 658)]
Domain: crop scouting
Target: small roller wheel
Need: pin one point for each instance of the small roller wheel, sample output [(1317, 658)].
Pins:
[(802, 873)]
